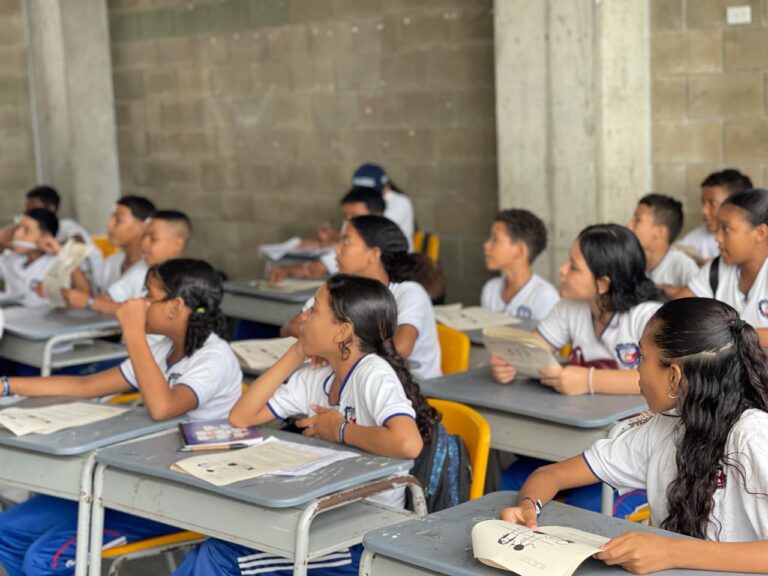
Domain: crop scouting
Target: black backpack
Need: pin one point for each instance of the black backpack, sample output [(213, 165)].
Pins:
[(443, 470)]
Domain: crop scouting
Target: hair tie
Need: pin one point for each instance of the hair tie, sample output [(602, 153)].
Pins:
[(737, 327), (200, 310)]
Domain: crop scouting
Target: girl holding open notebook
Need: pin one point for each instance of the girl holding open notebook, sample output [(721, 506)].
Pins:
[(191, 371)]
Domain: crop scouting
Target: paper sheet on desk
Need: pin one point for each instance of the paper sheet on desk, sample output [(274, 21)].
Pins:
[(59, 275), (261, 353), (547, 551), (49, 419), (471, 318), (273, 456)]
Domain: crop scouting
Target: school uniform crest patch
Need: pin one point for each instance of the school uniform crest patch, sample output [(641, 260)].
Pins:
[(628, 354), (524, 312), (762, 306)]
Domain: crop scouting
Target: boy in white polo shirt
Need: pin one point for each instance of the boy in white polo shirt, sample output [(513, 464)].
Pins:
[(656, 222), (715, 189), (517, 238), (23, 267)]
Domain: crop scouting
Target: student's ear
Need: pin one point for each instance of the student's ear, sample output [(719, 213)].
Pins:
[(603, 285), (342, 332), (176, 308), (675, 377), (760, 233), (520, 250), (374, 255)]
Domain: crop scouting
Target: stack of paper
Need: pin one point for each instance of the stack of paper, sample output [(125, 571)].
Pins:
[(59, 275), (260, 354), (521, 349), (471, 318), (550, 550), (272, 456), (49, 419)]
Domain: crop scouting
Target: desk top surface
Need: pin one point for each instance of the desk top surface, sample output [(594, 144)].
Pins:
[(477, 388), (154, 456), (44, 323), (442, 541), (256, 289)]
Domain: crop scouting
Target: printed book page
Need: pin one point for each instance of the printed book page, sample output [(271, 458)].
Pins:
[(49, 419), (471, 318), (272, 456), (547, 551), (520, 348), (59, 275), (260, 354)]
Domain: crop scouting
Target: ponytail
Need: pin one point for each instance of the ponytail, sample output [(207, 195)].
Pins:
[(200, 287)]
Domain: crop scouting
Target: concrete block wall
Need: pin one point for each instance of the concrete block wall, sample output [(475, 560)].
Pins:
[(17, 169), (252, 114), (709, 95)]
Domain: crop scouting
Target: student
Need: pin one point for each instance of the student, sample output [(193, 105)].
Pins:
[(189, 371), (125, 228), (715, 189), (374, 247), (606, 301), (656, 222), (701, 457), (399, 207), (356, 202), (24, 266), (364, 397), (517, 238), (166, 237), (739, 276)]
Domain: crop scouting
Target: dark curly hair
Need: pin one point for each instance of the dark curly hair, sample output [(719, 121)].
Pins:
[(200, 287), (731, 180), (525, 226), (401, 266), (371, 309), (725, 372), (614, 252)]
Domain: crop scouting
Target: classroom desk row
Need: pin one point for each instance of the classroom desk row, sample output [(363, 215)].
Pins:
[(124, 463)]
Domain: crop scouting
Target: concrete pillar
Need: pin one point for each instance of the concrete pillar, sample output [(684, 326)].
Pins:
[(572, 108), (73, 105)]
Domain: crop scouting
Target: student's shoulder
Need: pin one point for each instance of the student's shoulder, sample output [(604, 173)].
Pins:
[(543, 288), (408, 290), (495, 284), (680, 258), (642, 312), (751, 428)]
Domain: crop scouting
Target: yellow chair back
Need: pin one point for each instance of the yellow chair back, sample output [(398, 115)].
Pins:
[(103, 244), (454, 350), (427, 243), (474, 430)]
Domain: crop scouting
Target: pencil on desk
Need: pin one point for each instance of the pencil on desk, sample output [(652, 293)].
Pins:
[(206, 447)]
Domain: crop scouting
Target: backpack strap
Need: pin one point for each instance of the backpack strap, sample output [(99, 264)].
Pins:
[(714, 275)]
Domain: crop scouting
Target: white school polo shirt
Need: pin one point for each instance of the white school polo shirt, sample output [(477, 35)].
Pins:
[(110, 271), (703, 240), (644, 458), (370, 395), (23, 278), (399, 209), (752, 307), (570, 322), (212, 373), (414, 307), (131, 284), (675, 269), (535, 299)]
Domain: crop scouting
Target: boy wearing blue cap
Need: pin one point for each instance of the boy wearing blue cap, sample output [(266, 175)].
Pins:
[(399, 208)]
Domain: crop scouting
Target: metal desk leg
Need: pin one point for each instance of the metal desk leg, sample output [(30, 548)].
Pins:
[(301, 550), (366, 563), (607, 500), (84, 515), (97, 522)]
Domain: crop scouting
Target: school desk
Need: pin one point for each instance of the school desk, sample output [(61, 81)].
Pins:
[(298, 518), (31, 336), (441, 543), (246, 300), (530, 419), (62, 464)]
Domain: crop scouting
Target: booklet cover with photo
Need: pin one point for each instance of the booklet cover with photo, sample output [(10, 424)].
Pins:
[(217, 433)]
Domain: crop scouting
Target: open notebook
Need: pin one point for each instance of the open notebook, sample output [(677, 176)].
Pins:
[(522, 349), (546, 551), (260, 354)]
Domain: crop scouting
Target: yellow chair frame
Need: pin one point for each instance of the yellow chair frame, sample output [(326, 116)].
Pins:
[(455, 348)]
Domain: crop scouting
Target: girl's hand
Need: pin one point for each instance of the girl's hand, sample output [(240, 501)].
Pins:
[(570, 381), (132, 315), (324, 425), (524, 515), (639, 552), (503, 372), (278, 274)]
